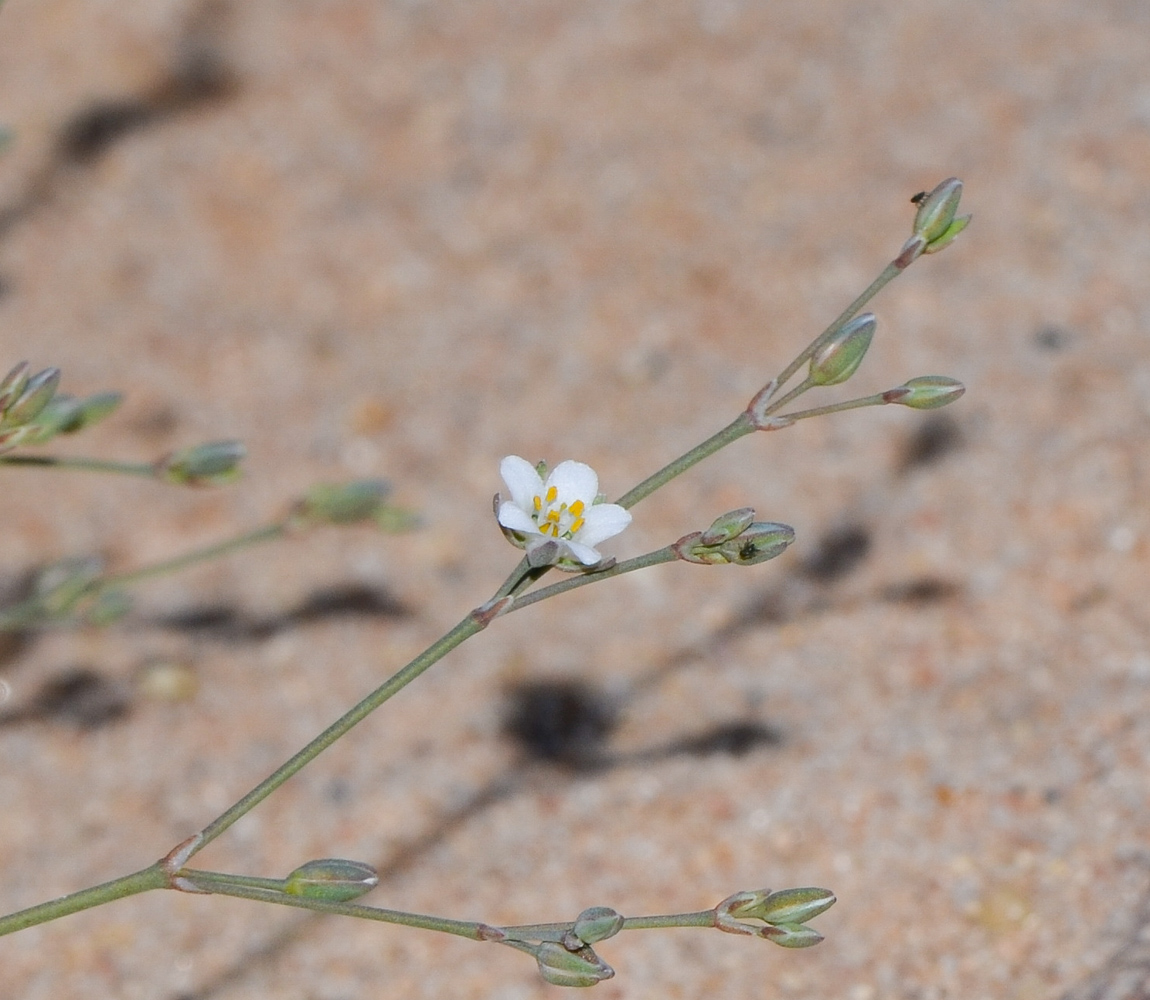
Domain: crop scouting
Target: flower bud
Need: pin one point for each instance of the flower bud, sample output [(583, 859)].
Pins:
[(793, 906), (727, 526), (927, 392), (344, 503), (332, 879), (839, 358), (215, 462), (13, 385), (761, 541), (597, 923), (37, 393), (561, 967), (936, 211), (791, 935)]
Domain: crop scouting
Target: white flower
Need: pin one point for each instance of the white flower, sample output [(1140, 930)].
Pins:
[(562, 509)]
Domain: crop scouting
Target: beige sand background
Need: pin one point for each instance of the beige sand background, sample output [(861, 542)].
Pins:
[(405, 239)]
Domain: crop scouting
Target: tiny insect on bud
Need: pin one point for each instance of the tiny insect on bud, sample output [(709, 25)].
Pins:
[(761, 541), (332, 879), (937, 209), (838, 359)]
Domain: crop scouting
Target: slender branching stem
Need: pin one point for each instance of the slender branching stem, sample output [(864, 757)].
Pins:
[(393, 685), (226, 885), (146, 470), (153, 877)]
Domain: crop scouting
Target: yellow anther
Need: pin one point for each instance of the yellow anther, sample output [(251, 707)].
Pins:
[(577, 508), (538, 505), (576, 524), (553, 516), (552, 493)]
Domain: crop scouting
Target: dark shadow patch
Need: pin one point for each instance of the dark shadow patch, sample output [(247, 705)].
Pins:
[(561, 722), (226, 623), (924, 590), (838, 552), (200, 75), (1052, 338), (79, 697), (730, 739), (933, 440)]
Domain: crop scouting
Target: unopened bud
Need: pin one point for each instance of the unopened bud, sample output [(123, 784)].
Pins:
[(761, 541), (37, 393), (561, 967), (332, 879), (344, 503), (727, 526), (597, 923), (936, 211), (791, 935), (215, 462), (794, 906), (927, 392), (838, 359), (12, 385)]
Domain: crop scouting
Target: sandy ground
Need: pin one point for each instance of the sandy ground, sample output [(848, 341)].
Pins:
[(405, 239)]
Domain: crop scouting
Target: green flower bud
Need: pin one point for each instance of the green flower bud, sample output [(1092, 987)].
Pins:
[(344, 503), (37, 393), (936, 211), (597, 923), (727, 526), (927, 392), (561, 967), (761, 541), (215, 462), (791, 935), (13, 385), (793, 906), (839, 358), (332, 879)]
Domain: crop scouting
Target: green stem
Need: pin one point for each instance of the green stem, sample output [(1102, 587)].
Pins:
[(557, 931), (28, 612), (849, 404), (267, 533), (663, 555), (153, 877), (227, 885), (145, 469), (738, 427), (470, 625)]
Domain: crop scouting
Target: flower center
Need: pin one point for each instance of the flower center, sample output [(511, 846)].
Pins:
[(559, 520)]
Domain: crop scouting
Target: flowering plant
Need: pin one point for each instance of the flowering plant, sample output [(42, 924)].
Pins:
[(559, 518)]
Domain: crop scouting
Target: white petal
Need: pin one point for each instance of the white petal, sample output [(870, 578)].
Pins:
[(514, 517), (603, 521), (574, 481), (584, 553), (522, 480)]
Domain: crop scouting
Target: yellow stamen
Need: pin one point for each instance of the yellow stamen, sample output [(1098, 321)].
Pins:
[(552, 493), (576, 524), (538, 505), (577, 508)]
